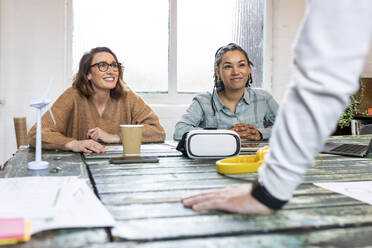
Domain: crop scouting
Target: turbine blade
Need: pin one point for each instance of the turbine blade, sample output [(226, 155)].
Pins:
[(51, 115)]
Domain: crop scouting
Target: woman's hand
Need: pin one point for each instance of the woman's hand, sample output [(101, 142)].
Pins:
[(100, 135), (247, 132), (236, 199), (88, 146)]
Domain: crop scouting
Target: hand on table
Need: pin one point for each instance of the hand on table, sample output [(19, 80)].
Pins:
[(236, 199), (88, 146), (100, 135), (246, 132)]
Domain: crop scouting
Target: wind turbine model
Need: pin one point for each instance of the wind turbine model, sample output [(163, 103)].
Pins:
[(39, 104)]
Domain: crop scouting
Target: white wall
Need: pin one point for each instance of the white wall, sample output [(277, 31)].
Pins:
[(287, 16), (32, 50), (367, 72)]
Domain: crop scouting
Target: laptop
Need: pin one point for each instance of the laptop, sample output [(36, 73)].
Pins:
[(348, 149)]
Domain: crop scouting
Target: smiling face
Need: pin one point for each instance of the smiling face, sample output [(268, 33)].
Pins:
[(234, 70), (103, 80)]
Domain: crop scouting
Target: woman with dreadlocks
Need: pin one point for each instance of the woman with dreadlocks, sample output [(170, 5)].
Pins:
[(233, 104)]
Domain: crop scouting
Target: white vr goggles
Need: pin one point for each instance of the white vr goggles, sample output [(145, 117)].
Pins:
[(210, 144)]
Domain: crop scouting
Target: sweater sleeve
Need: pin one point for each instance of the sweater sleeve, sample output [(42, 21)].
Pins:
[(143, 114), (54, 135)]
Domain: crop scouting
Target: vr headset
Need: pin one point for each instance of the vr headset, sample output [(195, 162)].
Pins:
[(209, 144)]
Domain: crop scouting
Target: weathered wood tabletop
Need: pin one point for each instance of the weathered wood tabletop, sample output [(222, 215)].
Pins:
[(145, 201)]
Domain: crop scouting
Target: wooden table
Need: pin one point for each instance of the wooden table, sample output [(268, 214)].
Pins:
[(145, 201)]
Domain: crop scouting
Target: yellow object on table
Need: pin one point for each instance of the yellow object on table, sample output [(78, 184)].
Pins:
[(242, 164)]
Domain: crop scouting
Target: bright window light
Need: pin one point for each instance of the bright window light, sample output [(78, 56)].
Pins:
[(136, 31), (141, 33)]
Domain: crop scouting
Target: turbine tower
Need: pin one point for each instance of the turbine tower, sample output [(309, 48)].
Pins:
[(39, 104)]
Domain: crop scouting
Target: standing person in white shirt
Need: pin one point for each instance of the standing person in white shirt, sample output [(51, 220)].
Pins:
[(328, 60)]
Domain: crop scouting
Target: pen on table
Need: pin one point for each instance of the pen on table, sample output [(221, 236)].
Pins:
[(49, 219), (57, 197)]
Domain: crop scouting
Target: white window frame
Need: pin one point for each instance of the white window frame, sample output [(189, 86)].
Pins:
[(267, 46), (172, 96)]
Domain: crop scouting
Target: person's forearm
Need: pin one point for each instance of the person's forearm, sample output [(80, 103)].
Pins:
[(114, 139), (153, 133)]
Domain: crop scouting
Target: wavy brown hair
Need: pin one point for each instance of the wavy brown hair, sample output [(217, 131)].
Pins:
[(84, 85)]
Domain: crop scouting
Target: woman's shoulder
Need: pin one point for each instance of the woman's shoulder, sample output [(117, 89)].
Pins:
[(130, 98), (73, 92), (128, 93), (71, 95), (203, 97), (259, 92)]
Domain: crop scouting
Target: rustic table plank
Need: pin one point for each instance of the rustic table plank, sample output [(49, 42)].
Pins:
[(104, 169), (346, 237), (72, 238), (234, 224), (175, 209), (126, 187), (70, 163), (175, 195)]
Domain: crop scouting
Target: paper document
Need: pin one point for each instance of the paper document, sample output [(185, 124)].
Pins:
[(30, 197), (361, 191), (166, 149), (145, 148), (52, 202)]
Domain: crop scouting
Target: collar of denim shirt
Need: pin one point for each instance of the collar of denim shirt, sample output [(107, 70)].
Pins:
[(246, 98)]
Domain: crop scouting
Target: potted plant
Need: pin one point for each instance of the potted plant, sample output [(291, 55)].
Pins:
[(352, 110)]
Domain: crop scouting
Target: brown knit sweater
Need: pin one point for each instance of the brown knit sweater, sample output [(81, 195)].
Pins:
[(75, 114)]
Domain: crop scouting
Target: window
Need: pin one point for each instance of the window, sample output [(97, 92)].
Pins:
[(168, 46), (136, 33)]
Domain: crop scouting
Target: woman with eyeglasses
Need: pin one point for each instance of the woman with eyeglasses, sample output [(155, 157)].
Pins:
[(91, 111), (233, 104)]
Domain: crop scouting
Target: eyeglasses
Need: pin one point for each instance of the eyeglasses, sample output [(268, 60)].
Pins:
[(103, 66)]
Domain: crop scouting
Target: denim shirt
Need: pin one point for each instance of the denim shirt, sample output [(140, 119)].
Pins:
[(257, 107)]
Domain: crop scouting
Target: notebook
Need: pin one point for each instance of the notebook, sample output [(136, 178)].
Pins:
[(347, 149)]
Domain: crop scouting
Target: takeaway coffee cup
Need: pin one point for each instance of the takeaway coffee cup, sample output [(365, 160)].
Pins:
[(131, 136)]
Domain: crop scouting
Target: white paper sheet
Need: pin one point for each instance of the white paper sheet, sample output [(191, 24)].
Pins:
[(146, 148), (53, 202), (30, 197), (361, 191)]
